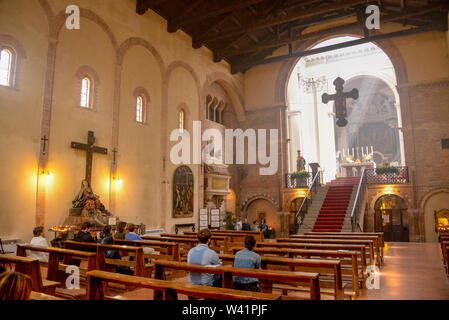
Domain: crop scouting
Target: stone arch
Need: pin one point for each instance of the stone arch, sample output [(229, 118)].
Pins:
[(429, 194), (387, 46), (136, 41), (61, 17), (398, 193), (181, 64), (255, 197), (230, 88)]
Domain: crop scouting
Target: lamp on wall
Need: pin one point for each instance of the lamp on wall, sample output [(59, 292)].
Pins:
[(45, 175), (117, 180), (388, 190)]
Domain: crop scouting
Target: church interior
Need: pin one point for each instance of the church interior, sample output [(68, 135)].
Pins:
[(316, 128)]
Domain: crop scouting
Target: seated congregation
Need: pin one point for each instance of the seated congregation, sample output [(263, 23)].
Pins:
[(120, 264)]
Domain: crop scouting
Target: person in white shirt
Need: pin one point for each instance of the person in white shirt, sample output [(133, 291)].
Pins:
[(238, 225), (39, 241)]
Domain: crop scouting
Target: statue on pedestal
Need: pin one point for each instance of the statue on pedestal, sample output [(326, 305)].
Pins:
[(300, 162), (89, 204)]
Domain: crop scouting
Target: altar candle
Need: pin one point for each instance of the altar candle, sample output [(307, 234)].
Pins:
[(343, 152), (352, 151), (372, 150), (367, 152)]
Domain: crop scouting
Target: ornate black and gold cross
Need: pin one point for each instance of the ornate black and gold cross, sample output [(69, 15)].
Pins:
[(90, 149), (340, 100)]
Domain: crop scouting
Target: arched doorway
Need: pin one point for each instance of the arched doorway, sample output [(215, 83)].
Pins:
[(293, 209), (311, 123), (261, 208), (435, 207), (391, 218)]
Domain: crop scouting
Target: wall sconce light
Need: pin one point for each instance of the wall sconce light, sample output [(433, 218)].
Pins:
[(117, 180), (45, 174), (388, 190)]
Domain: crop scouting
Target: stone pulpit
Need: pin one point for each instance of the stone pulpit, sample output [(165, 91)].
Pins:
[(216, 184)]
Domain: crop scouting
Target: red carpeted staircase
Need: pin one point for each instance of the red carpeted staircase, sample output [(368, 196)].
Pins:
[(335, 205)]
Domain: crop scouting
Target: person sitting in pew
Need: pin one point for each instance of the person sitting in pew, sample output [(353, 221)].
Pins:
[(15, 286), (131, 234), (120, 232), (39, 241), (106, 238), (247, 259), (84, 235), (255, 226), (203, 255), (245, 225)]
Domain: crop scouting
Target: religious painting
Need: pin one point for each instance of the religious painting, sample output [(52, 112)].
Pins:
[(183, 193)]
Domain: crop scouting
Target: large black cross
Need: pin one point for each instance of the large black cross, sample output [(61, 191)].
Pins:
[(340, 100), (90, 149)]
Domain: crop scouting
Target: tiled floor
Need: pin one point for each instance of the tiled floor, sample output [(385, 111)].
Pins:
[(411, 271)]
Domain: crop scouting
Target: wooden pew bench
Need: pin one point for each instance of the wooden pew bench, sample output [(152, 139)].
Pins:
[(266, 277), (378, 247), (31, 267), (360, 249), (235, 237), (168, 290), (185, 244), (138, 265), (56, 268), (220, 244), (369, 245), (351, 272), (163, 250), (42, 296), (378, 234), (329, 270)]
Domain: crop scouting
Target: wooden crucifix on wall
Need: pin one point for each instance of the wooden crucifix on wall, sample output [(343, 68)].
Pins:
[(340, 100), (90, 150)]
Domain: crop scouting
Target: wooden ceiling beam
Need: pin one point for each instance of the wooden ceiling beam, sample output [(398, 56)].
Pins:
[(322, 33), (300, 14), (208, 13), (174, 24), (237, 67), (142, 6)]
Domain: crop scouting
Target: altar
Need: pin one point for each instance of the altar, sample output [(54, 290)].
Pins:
[(354, 169)]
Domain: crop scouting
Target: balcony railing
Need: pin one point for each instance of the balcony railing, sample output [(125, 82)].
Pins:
[(296, 183), (387, 178)]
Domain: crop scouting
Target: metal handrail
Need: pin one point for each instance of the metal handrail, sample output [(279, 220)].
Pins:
[(358, 198), (305, 198)]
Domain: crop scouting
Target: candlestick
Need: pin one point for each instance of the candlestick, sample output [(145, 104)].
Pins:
[(372, 150)]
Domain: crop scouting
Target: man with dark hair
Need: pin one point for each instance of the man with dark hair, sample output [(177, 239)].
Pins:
[(203, 255), (39, 241), (131, 234), (84, 235), (247, 259), (120, 232), (245, 225)]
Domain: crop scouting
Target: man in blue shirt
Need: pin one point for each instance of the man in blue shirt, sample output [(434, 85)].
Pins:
[(247, 259), (202, 255), (131, 234)]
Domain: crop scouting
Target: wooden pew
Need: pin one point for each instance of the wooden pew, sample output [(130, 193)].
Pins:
[(369, 244), (166, 250), (185, 244), (105, 264), (378, 234), (168, 290), (326, 268), (266, 277), (236, 237), (360, 249), (42, 296), (378, 249), (56, 270), (445, 249), (217, 243), (31, 267), (351, 272), (335, 235)]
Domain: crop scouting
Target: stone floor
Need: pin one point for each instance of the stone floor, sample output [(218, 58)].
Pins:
[(412, 271)]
